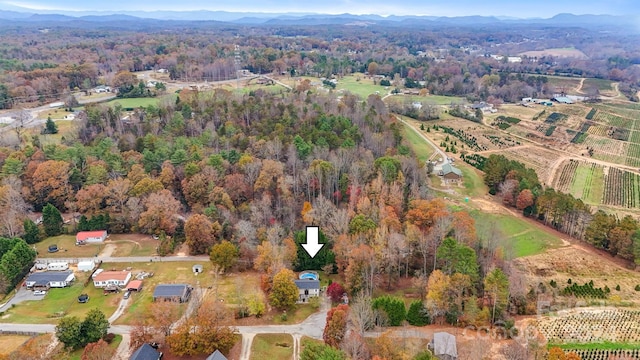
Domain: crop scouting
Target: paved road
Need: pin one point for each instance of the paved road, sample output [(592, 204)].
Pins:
[(129, 259), (21, 295)]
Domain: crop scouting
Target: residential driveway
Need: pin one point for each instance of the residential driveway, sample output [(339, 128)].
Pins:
[(22, 295), (121, 307)]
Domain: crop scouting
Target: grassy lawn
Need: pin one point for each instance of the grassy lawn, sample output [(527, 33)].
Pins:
[(228, 288), (9, 343), (472, 180), (67, 248), (139, 102), (601, 84), (77, 355), (588, 184), (272, 346), (297, 314), (422, 150), (521, 237), (360, 85), (55, 114), (63, 301), (132, 245)]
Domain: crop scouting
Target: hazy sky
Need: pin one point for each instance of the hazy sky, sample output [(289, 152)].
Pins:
[(516, 8)]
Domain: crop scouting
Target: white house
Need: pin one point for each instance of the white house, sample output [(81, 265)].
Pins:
[(86, 265), (307, 288), (104, 278), (58, 266), (49, 279), (91, 237)]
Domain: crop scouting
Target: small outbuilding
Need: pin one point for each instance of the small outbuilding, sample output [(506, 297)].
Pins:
[(91, 237), (307, 288), (443, 346), (86, 265), (172, 292), (58, 266), (197, 269), (135, 285)]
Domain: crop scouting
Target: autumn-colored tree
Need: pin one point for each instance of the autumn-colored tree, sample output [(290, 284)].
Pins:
[(116, 193), (437, 294), (224, 255), (99, 350), (200, 234), (12, 207), (556, 353), (89, 201), (386, 347), (146, 186), (524, 200), (196, 190), (160, 214), (51, 183), (573, 356), (336, 326), (335, 292), (284, 292), (464, 228), (269, 174), (423, 213), (203, 332), (307, 213), (36, 348), (237, 188), (141, 333)]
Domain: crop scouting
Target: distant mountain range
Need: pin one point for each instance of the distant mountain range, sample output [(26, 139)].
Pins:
[(15, 14)]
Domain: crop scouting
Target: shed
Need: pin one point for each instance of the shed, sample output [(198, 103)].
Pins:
[(91, 237), (217, 355), (307, 288), (86, 265), (172, 292), (562, 100), (49, 279), (135, 285), (197, 269), (146, 352), (443, 346)]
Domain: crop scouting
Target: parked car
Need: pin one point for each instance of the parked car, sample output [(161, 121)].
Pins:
[(83, 298), (127, 294), (39, 292), (53, 248)]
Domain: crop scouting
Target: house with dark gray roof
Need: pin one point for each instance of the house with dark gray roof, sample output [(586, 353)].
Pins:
[(307, 289), (48, 279), (217, 355), (172, 292), (443, 346), (146, 352)]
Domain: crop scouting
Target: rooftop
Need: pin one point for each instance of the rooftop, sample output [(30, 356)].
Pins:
[(111, 275), (217, 355), (84, 235), (145, 352), (448, 168), (444, 344), (168, 290), (307, 284), (47, 276)]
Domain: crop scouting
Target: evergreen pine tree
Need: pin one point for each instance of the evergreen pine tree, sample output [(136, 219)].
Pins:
[(50, 127), (52, 220)]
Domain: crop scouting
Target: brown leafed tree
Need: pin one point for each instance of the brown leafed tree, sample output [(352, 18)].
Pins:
[(161, 210), (51, 183), (89, 200), (336, 326), (196, 191), (116, 192), (141, 333), (524, 199), (200, 234), (12, 207), (99, 350), (464, 227)]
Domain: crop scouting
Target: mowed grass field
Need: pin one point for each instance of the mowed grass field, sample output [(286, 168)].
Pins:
[(433, 99), (272, 346), (420, 147), (520, 238), (67, 248), (360, 85), (9, 343), (63, 301), (600, 84), (588, 183)]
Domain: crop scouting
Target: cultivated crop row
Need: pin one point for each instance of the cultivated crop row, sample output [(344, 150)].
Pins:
[(470, 140), (593, 326), (567, 176), (591, 114), (613, 120), (633, 155), (599, 130), (621, 188), (605, 354), (555, 117), (635, 137), (586, 190), (501, 142)]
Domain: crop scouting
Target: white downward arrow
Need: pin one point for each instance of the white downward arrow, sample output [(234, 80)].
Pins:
[(312, 246)]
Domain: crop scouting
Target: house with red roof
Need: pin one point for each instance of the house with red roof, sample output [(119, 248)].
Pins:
[(91, 237)]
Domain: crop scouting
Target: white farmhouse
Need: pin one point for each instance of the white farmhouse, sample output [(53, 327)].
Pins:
[(307, 289), (49, 279), (105, 278)]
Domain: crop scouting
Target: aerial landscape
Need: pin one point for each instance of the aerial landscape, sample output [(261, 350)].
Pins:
[(344, 180)]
